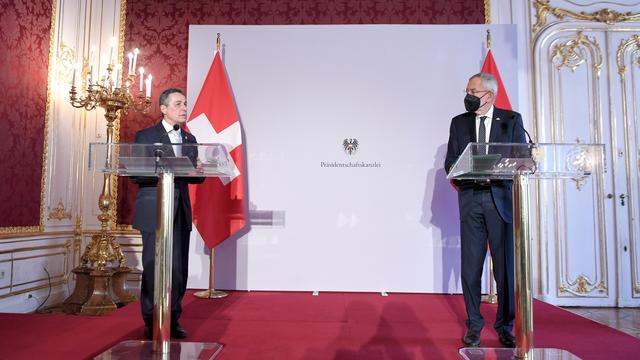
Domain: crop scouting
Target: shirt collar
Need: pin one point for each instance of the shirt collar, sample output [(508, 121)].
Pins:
[(168, 127), (489, 114)]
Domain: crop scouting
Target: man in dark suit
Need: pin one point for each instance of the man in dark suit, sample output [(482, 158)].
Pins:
[(174, 110), (485, 208)]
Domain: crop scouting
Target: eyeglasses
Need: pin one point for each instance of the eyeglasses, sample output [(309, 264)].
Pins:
[(474, 92)]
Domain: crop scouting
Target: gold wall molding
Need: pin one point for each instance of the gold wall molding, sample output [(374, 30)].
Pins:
[(59, 212), (47, 112), (632, 46), (606, 15), (116, 128), (487, 12), (14, 231), (37, 236)]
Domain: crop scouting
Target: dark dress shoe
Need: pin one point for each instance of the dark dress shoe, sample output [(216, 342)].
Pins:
[(178, 332), (148, 333), (507, 339), (471, 338)]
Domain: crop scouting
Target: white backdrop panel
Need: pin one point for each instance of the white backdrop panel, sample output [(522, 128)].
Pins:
[(302, 90)]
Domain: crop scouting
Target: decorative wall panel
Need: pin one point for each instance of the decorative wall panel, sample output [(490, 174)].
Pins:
[(25, 28)]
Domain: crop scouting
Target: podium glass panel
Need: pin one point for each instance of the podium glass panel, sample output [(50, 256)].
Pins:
[(502, 161), (151, 159)]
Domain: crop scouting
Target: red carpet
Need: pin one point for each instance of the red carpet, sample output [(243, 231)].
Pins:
[(287, 325)]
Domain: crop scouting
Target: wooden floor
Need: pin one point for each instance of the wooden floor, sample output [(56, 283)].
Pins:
[(626, 320)]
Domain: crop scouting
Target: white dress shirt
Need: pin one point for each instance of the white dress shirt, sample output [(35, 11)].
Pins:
[(175, 136), (487, 124)]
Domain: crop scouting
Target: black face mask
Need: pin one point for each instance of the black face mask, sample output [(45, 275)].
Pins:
[(472, 102)]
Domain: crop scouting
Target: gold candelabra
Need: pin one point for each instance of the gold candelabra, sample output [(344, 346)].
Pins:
[(100, 288), (107, 94)]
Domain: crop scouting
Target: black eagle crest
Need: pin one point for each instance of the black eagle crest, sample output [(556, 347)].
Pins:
[(350, 146)]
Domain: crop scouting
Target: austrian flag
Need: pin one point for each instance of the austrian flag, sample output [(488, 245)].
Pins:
[(218, 203)]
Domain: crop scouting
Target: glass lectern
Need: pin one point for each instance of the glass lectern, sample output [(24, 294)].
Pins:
[(521, 162), (160, 160)]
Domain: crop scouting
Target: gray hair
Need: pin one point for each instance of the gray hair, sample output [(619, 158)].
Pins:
[(488, 82), (164, 97)]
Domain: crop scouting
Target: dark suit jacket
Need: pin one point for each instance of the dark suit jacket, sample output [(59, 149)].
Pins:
[(146, 200), (506, 127)]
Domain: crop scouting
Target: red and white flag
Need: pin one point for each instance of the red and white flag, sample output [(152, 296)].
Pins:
[(489, 66), (218, 203)]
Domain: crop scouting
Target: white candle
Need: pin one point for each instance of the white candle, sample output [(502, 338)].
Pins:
[(73, 77), (141, 78), (113, 45), (135, 58), (91, 53), (149, 85), (118, 70), (130, 56)]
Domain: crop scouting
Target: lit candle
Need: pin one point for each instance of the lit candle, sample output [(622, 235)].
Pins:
[(130, 56), (135, 58), (141, 78), (118, 70), (149, 85), (113, 45)]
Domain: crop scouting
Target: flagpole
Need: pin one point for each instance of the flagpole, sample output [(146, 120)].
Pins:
[(211, 293), (491, 297), (488, 39)]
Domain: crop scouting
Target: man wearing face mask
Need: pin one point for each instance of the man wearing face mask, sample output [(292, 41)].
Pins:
[(485, 208)]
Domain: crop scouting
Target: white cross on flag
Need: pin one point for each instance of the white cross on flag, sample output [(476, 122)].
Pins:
[(218, 203)]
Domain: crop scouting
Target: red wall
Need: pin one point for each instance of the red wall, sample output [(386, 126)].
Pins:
[(25, 28), (160, 29)]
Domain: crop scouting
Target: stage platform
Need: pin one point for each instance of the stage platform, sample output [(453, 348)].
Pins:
[(297, 325)]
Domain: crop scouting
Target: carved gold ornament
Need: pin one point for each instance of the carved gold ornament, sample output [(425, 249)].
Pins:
[(573, 53), (582, 286), (634, 41), (66, 56), (59, 212), (606, 15)]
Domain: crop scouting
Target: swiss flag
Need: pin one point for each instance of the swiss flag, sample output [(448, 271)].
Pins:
[(218, 204), (489, 66)]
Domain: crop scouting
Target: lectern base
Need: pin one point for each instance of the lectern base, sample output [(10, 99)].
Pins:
[(508, 354), (143, 350)]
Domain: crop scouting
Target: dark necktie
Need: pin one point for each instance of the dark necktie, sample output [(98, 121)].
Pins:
[(482, 135)]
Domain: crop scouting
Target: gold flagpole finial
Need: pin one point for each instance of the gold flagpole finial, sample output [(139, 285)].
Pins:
[(218, 43), (488, 39)]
